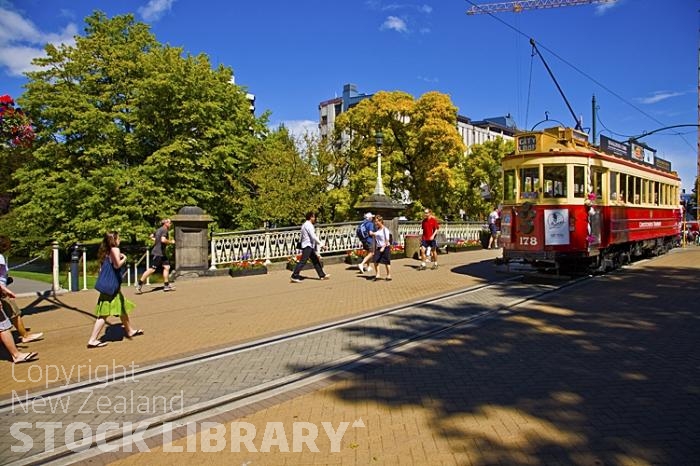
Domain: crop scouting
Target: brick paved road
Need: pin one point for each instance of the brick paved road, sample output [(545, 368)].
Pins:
[(607, 374)]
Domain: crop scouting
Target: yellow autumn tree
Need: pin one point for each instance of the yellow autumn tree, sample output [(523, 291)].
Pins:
[(421, 152)]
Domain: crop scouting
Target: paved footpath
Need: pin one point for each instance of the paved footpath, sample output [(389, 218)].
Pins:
[(604, 373)]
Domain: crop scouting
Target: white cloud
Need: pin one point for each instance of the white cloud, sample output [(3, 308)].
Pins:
[(603, 8), (658, 96), (394, 23), (155, 9), (427, 9), (428, 79), (299, 128), (21, 41)]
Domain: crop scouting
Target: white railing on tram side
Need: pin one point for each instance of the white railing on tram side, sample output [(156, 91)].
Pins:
[(279, 243)]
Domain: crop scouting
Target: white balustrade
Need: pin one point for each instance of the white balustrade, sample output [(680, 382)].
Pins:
[(279, 243)]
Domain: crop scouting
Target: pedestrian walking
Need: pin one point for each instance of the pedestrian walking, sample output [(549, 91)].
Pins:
[(310, 247), (382, 248), (364, 233), (159, 258), (494, 228), (117, 305), (9, 342), (428, 244), (7, 297)]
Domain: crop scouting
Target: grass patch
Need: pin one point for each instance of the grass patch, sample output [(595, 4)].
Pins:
[(38, 276)]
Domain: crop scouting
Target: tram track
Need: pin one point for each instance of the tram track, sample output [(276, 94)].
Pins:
[(313, 354)]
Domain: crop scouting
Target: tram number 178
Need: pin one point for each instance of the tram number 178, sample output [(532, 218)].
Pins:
[(528, 241)]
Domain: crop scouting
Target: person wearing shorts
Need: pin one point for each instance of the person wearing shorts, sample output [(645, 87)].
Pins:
[(9, 304), (367, 243), (9, 341), (159, 258), (494, 228), (430, 227)]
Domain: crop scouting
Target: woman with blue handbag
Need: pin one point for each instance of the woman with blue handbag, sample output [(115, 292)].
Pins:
[(111, 301)]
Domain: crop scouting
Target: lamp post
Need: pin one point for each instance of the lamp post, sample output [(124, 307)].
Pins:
[(379, 141)]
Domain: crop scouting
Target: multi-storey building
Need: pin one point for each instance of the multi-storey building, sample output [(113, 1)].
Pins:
[(330, 109), (478, 132)]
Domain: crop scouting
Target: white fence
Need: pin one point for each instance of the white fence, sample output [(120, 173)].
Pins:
[(279, 243)]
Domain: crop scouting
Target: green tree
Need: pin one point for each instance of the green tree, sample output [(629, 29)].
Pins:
[(421, 152), (282, 185), (129, 130), (481, 187)]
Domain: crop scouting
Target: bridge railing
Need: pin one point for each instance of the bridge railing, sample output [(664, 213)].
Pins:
[(279, 243)]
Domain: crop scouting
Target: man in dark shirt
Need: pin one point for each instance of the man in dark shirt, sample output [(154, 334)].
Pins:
[(159, 259)]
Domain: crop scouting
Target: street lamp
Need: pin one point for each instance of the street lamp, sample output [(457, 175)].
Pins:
[(379, 141)]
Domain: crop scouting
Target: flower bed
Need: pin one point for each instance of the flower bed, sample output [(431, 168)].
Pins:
[(464, 245), (246, 267), (294, 260), (355, 256)]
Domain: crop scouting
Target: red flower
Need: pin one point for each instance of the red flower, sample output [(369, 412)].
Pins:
[(15, 126)]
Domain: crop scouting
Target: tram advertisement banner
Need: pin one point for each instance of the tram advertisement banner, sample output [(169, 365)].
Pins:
[(614, 147), (556, 227)]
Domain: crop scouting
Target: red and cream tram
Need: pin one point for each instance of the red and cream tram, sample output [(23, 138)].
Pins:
[(571, 206)]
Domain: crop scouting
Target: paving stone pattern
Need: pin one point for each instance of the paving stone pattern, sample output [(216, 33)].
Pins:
[(226, 376)]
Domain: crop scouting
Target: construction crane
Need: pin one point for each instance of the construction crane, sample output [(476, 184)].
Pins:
[(518, 6)]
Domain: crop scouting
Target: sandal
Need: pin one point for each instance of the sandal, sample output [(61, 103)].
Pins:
[(32, 337), (100, 344), (27, 358), (136, 333)]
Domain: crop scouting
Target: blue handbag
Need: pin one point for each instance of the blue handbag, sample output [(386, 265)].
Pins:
[(109, 281)]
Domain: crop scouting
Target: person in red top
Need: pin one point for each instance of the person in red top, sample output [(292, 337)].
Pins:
[(430, 227)]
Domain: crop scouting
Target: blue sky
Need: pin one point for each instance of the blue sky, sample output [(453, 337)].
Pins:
[(639, 57)]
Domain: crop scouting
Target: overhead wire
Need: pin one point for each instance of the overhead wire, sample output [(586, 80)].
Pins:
[(529, 88), (583, 73)]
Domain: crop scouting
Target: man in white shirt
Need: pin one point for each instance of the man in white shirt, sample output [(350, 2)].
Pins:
[(310, 247)]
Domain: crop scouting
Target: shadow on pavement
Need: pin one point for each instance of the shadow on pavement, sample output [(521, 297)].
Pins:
[(606, 372)]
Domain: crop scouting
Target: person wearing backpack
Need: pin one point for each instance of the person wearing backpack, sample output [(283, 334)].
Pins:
[(364, 233)]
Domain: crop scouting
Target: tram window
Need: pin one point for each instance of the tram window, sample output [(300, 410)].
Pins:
[(554, 181), (613, 186), (656, 192), (529, 182), (624, 189), (598, 183), (509, 185), (579, 182), (637, 190)]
